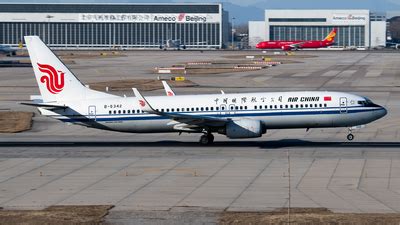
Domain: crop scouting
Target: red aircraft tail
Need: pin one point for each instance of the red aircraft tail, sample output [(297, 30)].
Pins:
[(331, 36)]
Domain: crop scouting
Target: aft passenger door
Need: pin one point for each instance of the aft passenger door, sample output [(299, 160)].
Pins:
[(92, 112), (343, 105)]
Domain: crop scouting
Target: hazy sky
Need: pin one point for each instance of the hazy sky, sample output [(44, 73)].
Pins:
[(262, 3)]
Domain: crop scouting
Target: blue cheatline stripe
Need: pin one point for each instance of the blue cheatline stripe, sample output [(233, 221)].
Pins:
[(151, 117)]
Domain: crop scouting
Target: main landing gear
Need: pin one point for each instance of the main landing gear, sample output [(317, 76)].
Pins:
[(350, 136), (207, 139)]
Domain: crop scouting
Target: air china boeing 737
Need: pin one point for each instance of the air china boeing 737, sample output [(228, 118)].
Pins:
[(243, 115), (294, 45)]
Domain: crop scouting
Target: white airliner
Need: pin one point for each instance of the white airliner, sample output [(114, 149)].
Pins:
[(242, 115)]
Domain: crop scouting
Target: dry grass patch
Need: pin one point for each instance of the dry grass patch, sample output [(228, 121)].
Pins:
[(61, 215), (308, 216), (13, 122)]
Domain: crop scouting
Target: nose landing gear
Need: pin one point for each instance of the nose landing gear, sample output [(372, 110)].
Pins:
[(207, 139), (350, 136)]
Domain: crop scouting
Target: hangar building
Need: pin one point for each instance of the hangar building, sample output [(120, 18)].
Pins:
[(126, 26), (355, 28)]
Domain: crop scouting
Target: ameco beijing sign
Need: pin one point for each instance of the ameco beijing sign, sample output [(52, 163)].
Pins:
[(149, 18), (349, 19)]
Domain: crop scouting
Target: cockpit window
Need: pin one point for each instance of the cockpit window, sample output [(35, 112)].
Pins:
[(367, 103)]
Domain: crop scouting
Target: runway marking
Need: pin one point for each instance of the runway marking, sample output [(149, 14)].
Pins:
[(373, 73), (346, 73), (331, 73)]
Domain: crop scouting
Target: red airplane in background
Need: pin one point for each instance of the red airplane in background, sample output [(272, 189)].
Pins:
[(294, 45)]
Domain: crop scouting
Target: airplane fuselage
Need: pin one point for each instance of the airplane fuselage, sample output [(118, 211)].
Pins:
[(278, 110), (286, 45)]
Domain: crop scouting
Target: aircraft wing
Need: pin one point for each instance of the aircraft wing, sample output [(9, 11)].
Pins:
[(189, 120), (297, 45)]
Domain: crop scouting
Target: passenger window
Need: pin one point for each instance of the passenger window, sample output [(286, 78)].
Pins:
[(187, 109), (123, 112), (325, 105), (301, 106), (281, 106), (109, 112), (129, 111), (265, 107), (206, 108), (245, 107), (291, 106), (297, 106), (115, 112), (241, 107), (316, 105), (320, 105), (119, 111), (236, 107), (197, 109), (212, 108), (167, 110), (275, 106), (286, 106), (306, 105), (177, 109), (255, 107), (217, 108), (202, 109), (222, 108), (192, 109)]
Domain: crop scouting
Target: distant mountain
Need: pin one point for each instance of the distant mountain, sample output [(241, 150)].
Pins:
[(373, 5)]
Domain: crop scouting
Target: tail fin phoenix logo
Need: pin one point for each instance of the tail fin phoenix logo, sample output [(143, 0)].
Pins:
[(54, 79), (331, 36), (142, 103)]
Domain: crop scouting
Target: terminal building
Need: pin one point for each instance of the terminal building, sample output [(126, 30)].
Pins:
[(355, 28), (124, 26)]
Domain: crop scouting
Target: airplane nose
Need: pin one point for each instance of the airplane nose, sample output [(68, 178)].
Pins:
[(384, 112), (381, 112)]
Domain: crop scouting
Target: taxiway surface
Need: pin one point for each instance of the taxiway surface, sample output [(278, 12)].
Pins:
[(59, 164)]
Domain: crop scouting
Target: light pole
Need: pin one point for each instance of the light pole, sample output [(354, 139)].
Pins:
[(47, 36), (233, 33)]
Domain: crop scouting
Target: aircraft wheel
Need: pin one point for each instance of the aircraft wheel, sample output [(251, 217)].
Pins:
[(206, 139), (211, 138), (350, 137)]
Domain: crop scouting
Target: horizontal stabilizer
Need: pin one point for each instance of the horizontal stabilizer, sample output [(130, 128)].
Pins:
[(45, 105)]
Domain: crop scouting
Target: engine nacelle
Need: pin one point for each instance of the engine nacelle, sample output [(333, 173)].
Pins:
[(244, 129), (286, 48)]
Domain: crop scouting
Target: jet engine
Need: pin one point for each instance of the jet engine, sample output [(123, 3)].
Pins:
[(243, 129), (286, 48)]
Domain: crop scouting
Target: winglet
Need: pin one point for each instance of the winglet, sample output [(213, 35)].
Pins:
[(168, 89), (143, 103)]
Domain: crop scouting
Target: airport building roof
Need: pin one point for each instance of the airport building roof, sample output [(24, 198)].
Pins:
[(110, 8)]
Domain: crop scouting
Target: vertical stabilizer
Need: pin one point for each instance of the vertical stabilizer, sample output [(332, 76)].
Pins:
[(56, 82), (331, 36)]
